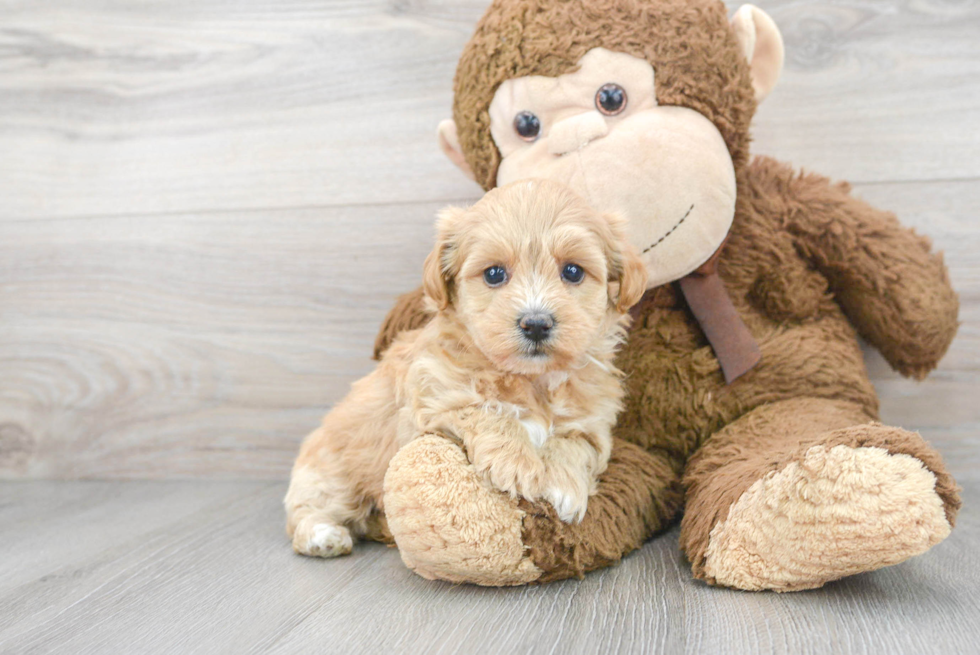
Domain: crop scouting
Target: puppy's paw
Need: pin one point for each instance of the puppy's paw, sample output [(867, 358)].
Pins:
[(322, 540), (570, 504), (515, 474)]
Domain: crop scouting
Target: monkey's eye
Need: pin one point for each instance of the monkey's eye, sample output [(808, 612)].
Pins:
[(495, 276), (610, 99), (572, 273), (527, 126)]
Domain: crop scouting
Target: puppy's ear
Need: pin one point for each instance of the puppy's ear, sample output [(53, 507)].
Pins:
[(625, 265), (440, 266), (632, 279)]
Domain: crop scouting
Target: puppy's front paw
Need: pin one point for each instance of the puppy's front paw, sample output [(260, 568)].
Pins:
[(570, 504), (322, 540), (514, 473)]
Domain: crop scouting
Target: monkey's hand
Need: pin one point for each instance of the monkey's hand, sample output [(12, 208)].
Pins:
[(884, 276), (450, 524)]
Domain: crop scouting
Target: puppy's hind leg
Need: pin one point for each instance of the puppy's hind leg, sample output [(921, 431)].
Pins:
[(322, 539), (338, 478), (319, 509)]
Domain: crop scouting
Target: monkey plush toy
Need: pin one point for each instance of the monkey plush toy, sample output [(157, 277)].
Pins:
[(748, 403)]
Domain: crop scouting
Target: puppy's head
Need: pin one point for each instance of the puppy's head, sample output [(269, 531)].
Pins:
[(534, 274)]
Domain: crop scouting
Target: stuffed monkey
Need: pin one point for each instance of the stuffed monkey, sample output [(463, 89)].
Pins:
[(748, 400)]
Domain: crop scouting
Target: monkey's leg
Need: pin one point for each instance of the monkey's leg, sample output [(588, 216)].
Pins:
[(449, 524), (800, 492)]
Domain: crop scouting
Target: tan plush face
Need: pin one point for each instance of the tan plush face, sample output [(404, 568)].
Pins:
[(666, 169), (529, 268)]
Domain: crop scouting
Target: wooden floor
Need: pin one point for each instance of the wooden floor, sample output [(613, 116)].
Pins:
[(175, 567), (206, 208)]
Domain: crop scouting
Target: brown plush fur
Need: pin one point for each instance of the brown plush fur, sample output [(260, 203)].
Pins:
[(637, 497), (808, 267), (405, 315)]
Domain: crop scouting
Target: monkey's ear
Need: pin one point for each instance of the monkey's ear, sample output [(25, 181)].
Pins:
[(449, 142), (762, 45), (440, 266)]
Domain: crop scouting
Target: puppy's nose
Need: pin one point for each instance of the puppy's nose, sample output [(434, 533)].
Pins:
[(536, 327)]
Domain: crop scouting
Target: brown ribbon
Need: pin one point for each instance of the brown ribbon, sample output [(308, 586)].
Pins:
[(706, 295)]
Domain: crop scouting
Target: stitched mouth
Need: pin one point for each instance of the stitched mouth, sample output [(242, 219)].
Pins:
[(669, 232)]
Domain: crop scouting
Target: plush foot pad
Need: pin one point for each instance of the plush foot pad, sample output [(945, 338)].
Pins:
[(839, 512), (448, 523), (322, 540)]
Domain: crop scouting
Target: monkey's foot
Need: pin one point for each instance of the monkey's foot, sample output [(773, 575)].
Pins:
[(839, 511)]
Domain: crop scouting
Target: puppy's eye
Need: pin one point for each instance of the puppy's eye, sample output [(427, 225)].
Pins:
[(610, 99), (527, 126), (495, 276), (572, 273)]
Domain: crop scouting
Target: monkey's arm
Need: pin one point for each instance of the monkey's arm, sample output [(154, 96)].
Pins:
[(885, 277), (408, 313)]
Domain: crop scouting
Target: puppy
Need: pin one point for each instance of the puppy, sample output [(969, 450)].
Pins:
[(530, 287)]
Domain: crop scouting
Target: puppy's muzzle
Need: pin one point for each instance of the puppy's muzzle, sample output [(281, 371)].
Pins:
[(536, 328)]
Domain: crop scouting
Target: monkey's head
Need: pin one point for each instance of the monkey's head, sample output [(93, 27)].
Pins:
[(641, 106)]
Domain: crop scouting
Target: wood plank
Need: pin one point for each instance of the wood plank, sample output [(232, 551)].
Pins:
[(188, 106), (207, 345), (44, 524), (876, 91), (190, 345), (204, 567), (181, 106)]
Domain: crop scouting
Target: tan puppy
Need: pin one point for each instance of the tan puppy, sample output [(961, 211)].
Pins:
[(531, 287)]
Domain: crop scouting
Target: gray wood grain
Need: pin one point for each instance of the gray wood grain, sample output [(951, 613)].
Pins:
[(194, 345), (204, 567), (196, 106)]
